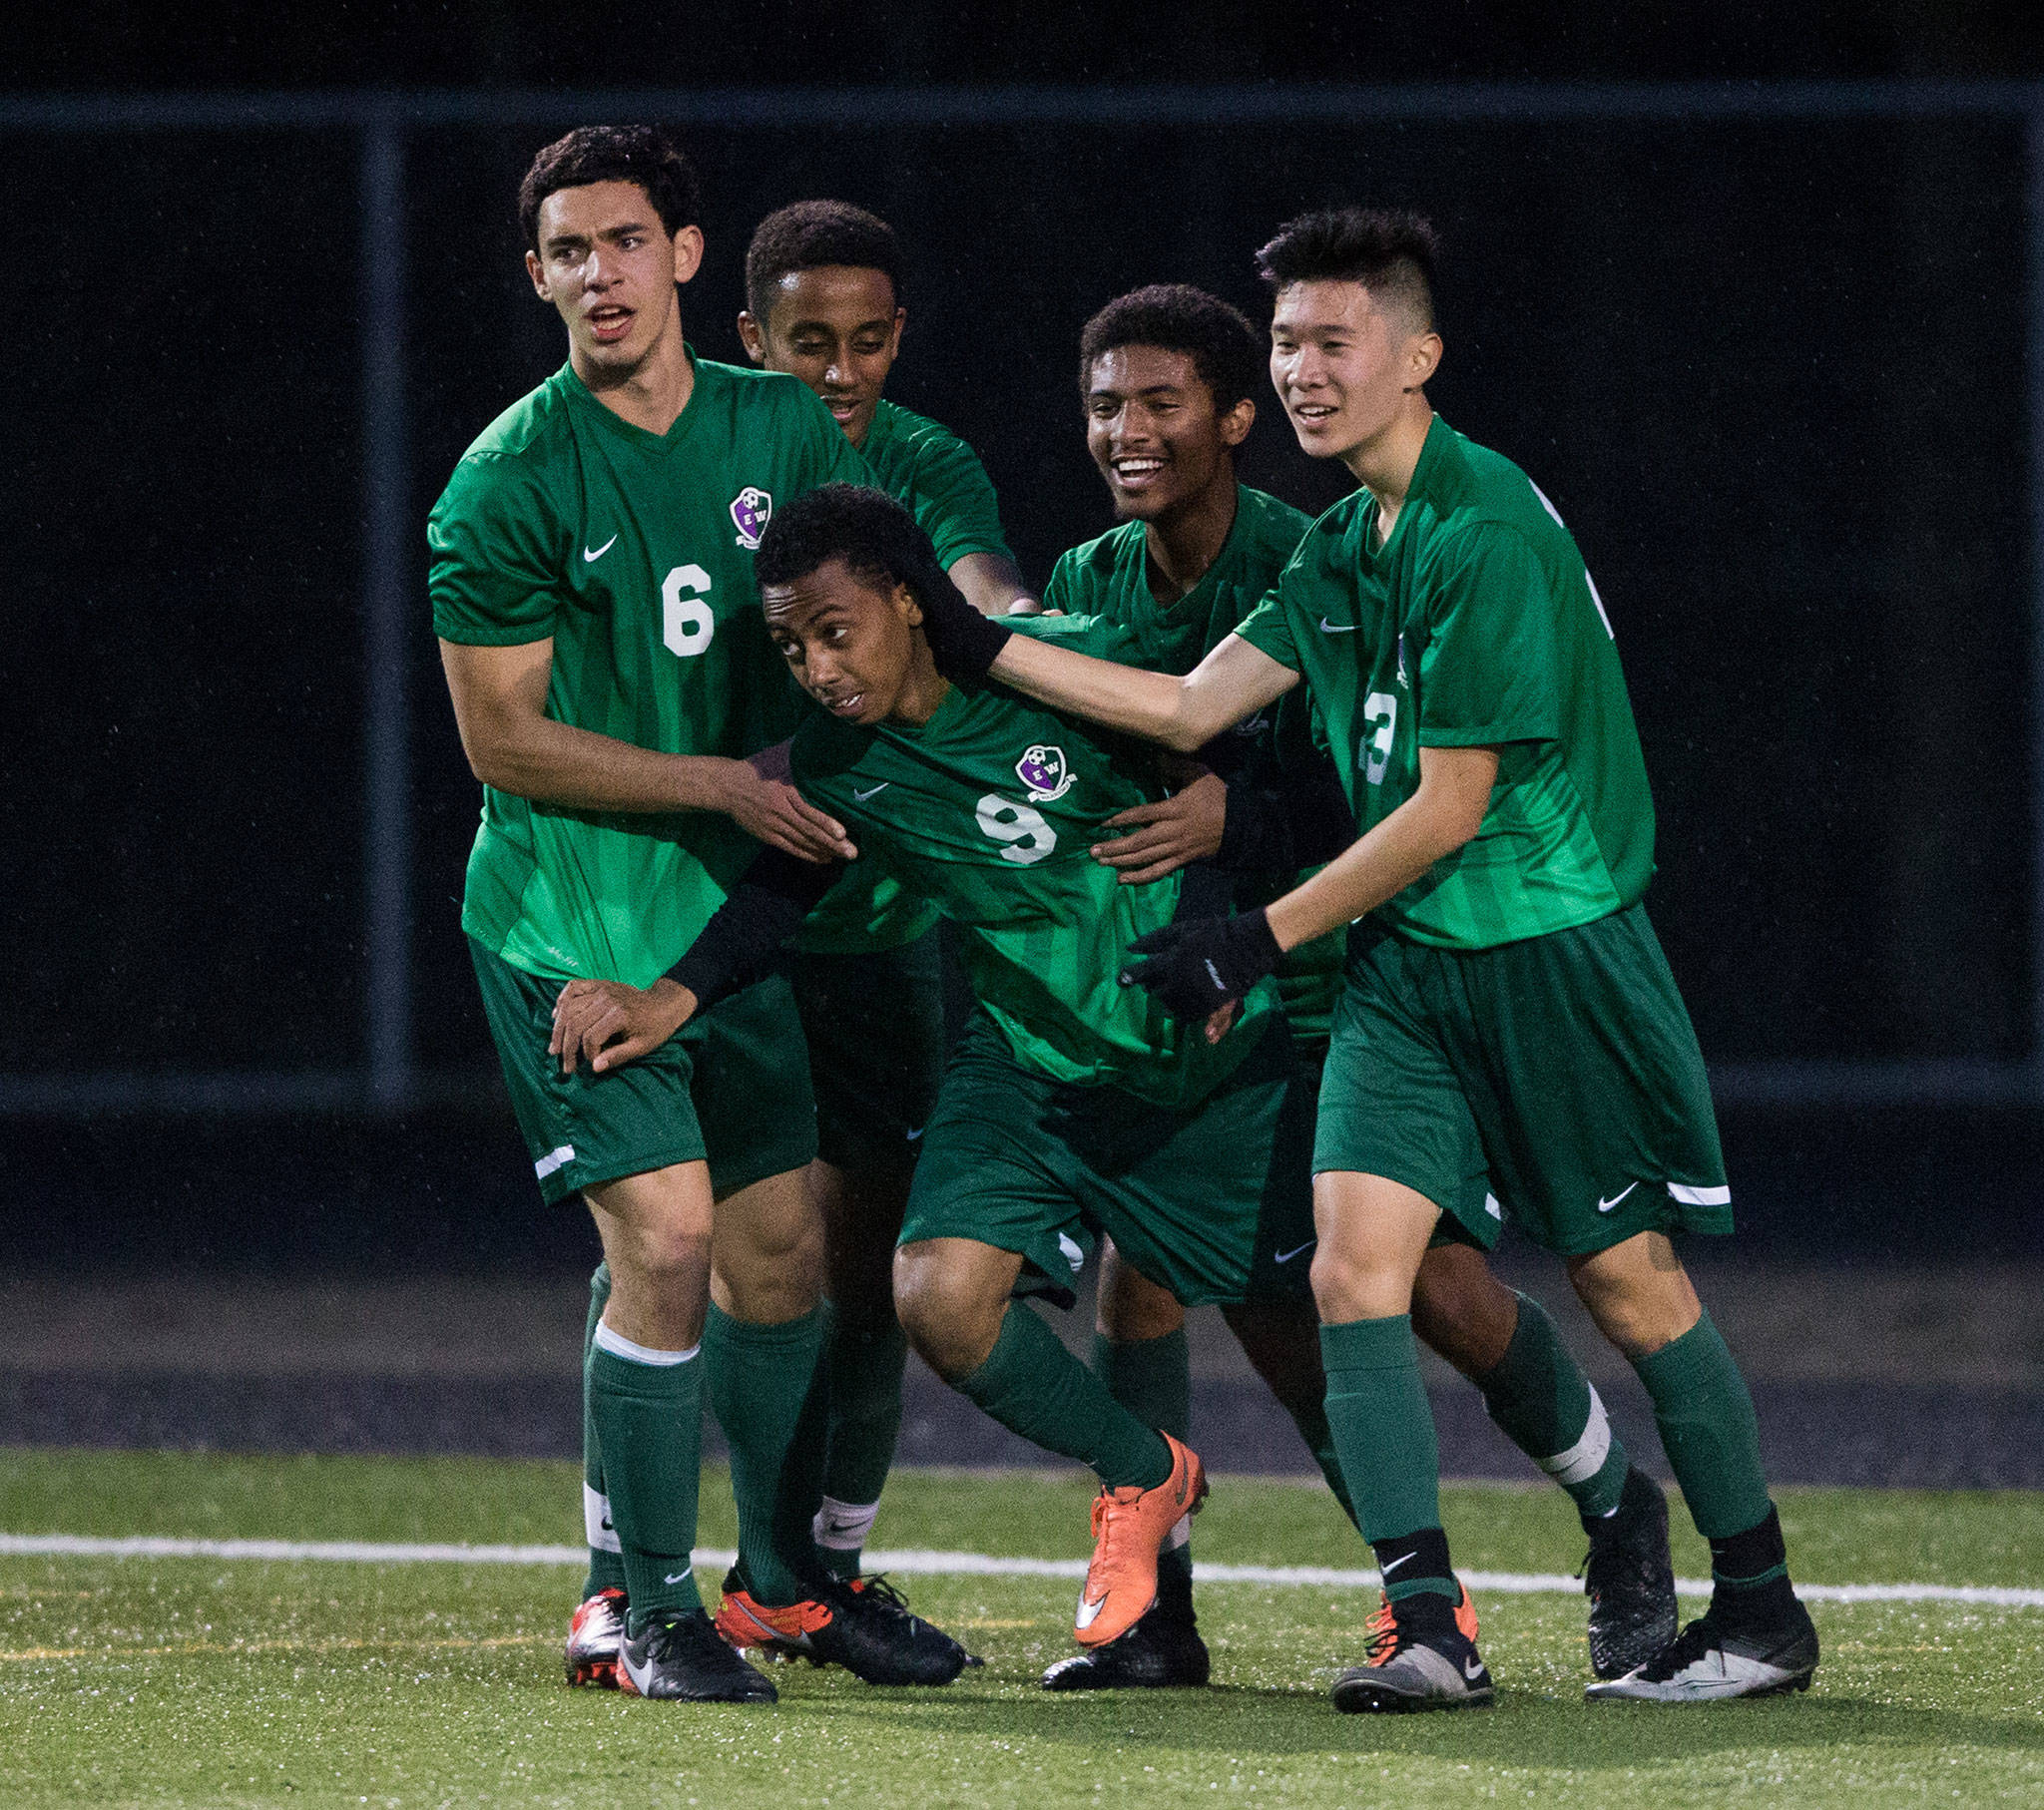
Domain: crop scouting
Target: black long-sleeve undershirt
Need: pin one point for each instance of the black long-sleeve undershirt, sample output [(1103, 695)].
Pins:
[(767, 907)]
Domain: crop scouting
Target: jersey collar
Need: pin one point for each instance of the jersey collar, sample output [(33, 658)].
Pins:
[(610, 421)]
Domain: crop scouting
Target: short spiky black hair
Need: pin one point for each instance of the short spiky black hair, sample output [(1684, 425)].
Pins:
[(613, 154), (872, 533), (1177, 317), (1389, 250), (806, 235)]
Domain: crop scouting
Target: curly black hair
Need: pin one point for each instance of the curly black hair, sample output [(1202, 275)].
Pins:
[(613, 154), (876, 537), (806, 235), (1225, 349), (1389, 250)]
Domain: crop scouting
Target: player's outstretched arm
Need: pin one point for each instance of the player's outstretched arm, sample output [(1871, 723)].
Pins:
[(609, 1024), (500, 698), (993, 584), (1439, 818), (1196, 966), (1234, 681)]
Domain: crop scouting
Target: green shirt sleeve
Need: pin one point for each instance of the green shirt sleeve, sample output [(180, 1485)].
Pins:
[(1489, 670), (1268, 627), (958, 510), (1097, 636), (1058, 593), (496, 555)]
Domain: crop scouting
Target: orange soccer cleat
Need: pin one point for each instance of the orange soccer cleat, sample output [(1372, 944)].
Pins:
[(1129, 1527)]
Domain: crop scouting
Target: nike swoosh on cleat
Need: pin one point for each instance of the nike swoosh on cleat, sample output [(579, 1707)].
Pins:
[(1286, 1256), (1327, 627), (1604, 1206), (1472, 1668), (1089, 1613), (592, 558)]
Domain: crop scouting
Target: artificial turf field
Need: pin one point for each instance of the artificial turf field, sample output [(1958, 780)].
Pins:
[(203, 1680)]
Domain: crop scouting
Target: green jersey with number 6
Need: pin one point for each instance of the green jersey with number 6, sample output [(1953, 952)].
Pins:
[(1110, 577), (633, 552), (988, 810), (1475, 625)]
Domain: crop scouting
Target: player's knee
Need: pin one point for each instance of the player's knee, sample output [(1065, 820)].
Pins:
[(1131, 1307), (951, 1317), (1641, 1299), (1352, 1284)]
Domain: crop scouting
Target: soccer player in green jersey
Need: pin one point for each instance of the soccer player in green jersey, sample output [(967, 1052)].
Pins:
[(1505, 1000), (592, 593), (1167, 378), (824, 287)]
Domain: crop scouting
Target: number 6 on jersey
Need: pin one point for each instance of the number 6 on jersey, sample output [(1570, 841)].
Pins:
[(685, 620)]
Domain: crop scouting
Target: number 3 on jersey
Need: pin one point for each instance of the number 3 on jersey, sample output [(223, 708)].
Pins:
[(1020, 826), (1380, 724), (685, 620)]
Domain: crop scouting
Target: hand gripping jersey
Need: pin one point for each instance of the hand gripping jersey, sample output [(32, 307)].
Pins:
[(1476, 624), (633, 550), (988, 810)]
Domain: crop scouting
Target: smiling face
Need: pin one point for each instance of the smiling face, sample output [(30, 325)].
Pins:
[(853, 644), (607, 264), (1153, 431), (1344, 366), (838, 327)]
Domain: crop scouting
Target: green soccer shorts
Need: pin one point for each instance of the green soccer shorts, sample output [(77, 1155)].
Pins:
[(1212, 1201), (875, 1028), (731, 1087), (1564, 1063)]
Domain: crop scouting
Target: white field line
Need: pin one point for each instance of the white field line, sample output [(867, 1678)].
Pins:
[(926, 1564)]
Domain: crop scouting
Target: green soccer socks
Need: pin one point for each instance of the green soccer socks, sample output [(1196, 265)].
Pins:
[(1153, 1380), (863, 1360), (606, 1562), (1544, 1405), (1033, 1386), (1383, 1433), (1707, 1424), (644, 1408), (767, 1387)]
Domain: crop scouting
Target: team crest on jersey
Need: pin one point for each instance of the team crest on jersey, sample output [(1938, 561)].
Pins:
[(751, 509), (1043, 770)]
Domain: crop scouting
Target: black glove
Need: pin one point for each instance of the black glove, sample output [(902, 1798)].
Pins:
[(963, 642), (1196, 966)]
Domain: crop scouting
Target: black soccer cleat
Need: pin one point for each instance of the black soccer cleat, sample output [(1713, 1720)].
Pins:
[(863, 1625), (677, 1655), (1162, 1650), (1630, 1580), (1420, 1658), (1711, 1660)]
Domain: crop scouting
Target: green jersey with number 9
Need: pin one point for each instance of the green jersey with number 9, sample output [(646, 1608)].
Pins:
[(1475, 625), (633, 550), (988, 810)]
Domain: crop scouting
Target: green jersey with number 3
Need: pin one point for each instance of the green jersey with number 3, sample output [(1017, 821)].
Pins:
[(1110, 577), (939, 479), (1475, 625), (633, 552), (988, 811)]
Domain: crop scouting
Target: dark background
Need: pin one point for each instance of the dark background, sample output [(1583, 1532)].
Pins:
[(1771, 373)]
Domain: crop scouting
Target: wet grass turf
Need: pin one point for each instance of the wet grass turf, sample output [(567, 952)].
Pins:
[(199, 1681)]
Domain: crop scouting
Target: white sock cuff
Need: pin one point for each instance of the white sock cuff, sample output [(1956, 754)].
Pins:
[(1583, 1460), (1180, 1533), (621, 1347), (596, 1520), (843, 1527)]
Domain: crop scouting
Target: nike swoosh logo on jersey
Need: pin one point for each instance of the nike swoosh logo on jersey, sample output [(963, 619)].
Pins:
[(1604, 1206), (1327, 627), (592, 558), (1286, 1256), (1089, 1613), (859, 798)]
